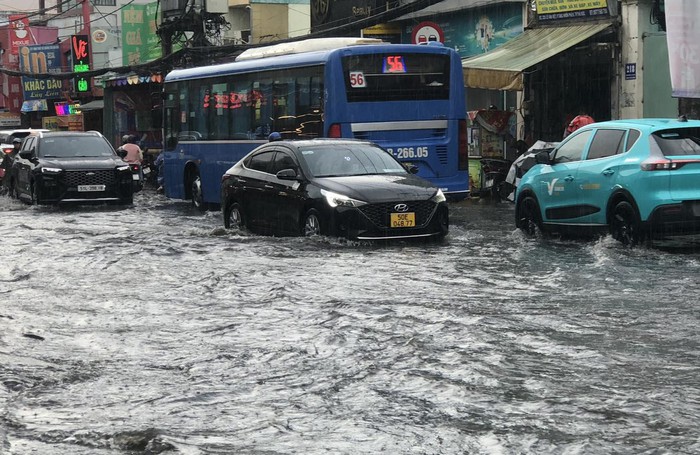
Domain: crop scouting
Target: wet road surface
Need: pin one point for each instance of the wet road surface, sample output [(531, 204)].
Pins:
[(152, 329)]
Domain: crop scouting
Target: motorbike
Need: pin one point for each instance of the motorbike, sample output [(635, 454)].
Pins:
[(136, 171), (493, 176)]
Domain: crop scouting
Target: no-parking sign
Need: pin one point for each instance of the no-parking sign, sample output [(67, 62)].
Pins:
[(426, 32)]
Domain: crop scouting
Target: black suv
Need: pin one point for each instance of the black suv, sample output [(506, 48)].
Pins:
[(58, 167)]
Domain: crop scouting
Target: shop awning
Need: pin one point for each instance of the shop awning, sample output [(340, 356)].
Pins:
[(502, 68), (93, 105)]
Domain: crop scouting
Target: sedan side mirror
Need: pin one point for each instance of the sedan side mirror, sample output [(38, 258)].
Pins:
[(26, 154), (287, 174)]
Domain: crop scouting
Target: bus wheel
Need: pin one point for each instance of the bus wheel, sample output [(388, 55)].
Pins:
[(196, 192)]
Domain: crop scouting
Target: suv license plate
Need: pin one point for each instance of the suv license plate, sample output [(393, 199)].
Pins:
[(86, 188), (403, 220)]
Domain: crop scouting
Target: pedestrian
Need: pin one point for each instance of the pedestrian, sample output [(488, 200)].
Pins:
[(577, 122)]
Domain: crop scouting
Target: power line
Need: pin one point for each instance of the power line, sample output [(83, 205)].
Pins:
[(209, 53)]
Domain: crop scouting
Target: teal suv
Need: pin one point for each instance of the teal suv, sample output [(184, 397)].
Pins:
[(636, 179)]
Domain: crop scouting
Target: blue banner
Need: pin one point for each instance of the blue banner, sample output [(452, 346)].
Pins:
[(43, 58)]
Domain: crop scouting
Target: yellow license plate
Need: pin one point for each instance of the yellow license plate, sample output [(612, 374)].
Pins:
[(403, 220)]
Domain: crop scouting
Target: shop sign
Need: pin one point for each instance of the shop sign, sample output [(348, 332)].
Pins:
[(140, 40), (20, 34), (80, 53), (40, 59), (570, 9)]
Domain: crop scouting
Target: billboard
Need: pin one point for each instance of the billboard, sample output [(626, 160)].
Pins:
[(140, 41), (42, 58), (683, 36)]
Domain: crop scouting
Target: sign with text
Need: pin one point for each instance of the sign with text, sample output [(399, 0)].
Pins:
[(80, 54), (42, 58), (683, 36), (570, 9), (139, 38), (19, 32)]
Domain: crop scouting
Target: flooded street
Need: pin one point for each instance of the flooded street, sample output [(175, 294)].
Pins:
[(151, 329)]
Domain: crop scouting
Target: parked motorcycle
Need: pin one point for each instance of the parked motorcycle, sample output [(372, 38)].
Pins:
[(493, 174)]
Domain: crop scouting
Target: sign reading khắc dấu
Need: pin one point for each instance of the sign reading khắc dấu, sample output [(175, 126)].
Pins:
[(42, 58)]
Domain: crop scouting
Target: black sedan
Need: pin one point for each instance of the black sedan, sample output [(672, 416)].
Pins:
[(70, 167), (346, 188)]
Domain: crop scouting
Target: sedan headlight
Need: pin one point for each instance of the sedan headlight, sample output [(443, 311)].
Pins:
[(50, 170), (339, 200), (438, 197)]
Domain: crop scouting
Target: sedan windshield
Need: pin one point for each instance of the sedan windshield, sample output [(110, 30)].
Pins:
[(350, 159), (74, 147)]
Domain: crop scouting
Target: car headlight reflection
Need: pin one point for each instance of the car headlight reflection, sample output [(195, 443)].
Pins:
[(439, 197), (339, 200), (50, 170)]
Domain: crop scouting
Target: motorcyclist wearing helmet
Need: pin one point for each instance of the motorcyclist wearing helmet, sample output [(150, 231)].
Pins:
[(6, 162), (134, 154)]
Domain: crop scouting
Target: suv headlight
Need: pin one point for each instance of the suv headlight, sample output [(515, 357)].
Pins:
[(339, 200), (50, 170), (438, 197), (124, 168)]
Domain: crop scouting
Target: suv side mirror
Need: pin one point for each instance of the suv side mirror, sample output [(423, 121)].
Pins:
[(121, 152), (26, 154)]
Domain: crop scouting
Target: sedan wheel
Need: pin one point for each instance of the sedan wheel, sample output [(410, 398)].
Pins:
[(312, 224), (625, 226), (529, 219), (233, 217)]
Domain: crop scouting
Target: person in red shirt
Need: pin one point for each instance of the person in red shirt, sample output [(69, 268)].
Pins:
[(577, 122)]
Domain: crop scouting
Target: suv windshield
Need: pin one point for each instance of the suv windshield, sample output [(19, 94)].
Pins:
[(74, 147), (680, 141)]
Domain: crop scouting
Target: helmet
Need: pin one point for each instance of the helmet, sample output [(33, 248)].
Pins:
[(126, 138), (16, 140), (274, 136)]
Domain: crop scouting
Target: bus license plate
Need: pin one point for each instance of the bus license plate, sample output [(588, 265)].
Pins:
[(403, 220), (85, 188)]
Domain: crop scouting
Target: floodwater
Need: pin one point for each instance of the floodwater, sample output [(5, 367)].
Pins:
[(151, 330)]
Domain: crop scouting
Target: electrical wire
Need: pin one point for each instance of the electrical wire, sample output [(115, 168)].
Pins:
[(40, 12), (211, 54)]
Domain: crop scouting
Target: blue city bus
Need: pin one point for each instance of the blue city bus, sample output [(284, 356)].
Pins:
[(409, 99)]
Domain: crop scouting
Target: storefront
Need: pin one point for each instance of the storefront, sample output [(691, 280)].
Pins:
[(132, 105)]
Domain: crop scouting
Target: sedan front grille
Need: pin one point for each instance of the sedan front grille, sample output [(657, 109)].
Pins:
[(75, 178), (380, 214)]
